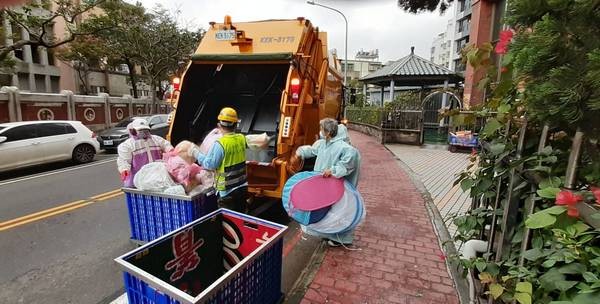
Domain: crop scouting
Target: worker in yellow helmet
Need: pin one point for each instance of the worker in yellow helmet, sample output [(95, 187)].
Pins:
[(228, 157)]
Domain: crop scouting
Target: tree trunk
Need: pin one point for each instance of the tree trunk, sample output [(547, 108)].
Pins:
[(153, 95), (132, 77), (83, 78)]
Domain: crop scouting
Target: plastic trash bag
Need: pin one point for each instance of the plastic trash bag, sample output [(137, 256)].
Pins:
[(181, 171), (257, 141), (206, 177), (209, 140), (175, 190), (344, 215), (153, 177), (182, 151)]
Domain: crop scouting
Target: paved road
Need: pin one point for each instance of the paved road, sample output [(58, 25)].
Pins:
[(58, 253)]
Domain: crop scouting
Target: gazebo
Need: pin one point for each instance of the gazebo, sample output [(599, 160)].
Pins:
[(410, 71)]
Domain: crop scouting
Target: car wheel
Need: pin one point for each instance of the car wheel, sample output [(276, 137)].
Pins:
[(83, 154)]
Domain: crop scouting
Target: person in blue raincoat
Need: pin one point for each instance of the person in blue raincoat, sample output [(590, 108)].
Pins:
[(335, 158)]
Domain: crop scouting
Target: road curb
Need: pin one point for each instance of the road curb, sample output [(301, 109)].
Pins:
[(296, 294), (445, 241)]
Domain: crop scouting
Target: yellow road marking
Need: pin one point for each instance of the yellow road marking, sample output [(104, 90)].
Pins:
[(58, 210)]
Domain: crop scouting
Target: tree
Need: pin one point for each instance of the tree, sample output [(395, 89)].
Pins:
[(38, 20), (161, 46), (84, 54), (127, 23), (418, 6)]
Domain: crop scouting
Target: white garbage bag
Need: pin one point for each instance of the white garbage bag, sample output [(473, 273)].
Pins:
[(257, 141), (209, 140), (175, 190), (153, 177)]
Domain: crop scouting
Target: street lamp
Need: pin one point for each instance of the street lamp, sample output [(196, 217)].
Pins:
[(312, 2)]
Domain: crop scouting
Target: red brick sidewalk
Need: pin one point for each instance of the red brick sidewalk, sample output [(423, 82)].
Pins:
[(401, 260)]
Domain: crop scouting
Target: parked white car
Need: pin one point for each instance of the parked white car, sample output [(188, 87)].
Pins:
[(31, 143)]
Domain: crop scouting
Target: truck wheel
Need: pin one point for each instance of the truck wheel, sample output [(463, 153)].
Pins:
[(452, 148), (83, 153)]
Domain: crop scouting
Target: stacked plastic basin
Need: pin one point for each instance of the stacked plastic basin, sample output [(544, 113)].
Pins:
[(152, 215)]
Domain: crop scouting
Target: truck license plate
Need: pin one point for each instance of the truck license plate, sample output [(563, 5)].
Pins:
[(225, 35), (108, 142)]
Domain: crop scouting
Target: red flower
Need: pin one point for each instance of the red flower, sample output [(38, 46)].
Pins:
[(504, 70), (567, 198), (572, 211), (504, 40), (596, 193), (506, 35)]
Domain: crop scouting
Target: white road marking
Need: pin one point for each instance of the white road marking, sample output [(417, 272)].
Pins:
[(100, 162)]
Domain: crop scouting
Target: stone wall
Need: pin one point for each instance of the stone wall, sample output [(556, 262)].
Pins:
[(388, 136), (96, 112)]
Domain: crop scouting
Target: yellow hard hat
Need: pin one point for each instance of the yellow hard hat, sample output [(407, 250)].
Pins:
[(228, 114)]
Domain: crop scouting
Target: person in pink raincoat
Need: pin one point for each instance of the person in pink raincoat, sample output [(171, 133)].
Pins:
[(140, 149)]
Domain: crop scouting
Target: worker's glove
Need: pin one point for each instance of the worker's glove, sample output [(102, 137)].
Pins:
[(193, 151), (124, 175)]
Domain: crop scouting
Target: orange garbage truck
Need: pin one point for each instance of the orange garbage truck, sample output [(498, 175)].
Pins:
[(279, 77)]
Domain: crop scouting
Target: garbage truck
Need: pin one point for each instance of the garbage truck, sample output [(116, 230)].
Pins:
[(281, 79)]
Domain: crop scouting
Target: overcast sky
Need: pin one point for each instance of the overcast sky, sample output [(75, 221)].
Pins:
[(372, 24)]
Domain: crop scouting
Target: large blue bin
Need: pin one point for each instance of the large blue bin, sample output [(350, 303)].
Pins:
[(235, 258), (152, 215)]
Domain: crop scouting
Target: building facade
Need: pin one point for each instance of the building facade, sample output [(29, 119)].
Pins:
[(486, 24), (38, 70), (462, 31), (441, 48), (365, 62)]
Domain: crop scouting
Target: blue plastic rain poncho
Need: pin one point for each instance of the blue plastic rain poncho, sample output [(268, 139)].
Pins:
[(341, 158), (342, 132)]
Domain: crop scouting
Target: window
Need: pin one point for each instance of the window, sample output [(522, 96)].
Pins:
[(97, 89), (21, 133), (154, 121), (464, 5), (70, 129), (51, 59), (459, 66), (460, 44), (51, 129), (164, 118), (35, 54), (463, 25)]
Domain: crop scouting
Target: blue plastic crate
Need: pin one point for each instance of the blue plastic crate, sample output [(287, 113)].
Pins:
[(255, 279), (152, 215)]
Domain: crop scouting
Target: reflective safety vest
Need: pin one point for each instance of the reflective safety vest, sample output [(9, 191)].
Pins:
[(232, 171)]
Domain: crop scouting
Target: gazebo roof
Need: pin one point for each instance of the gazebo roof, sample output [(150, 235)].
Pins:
[(412, 70)]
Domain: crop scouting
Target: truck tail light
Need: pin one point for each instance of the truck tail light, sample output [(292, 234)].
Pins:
[(295, 90), (176, 83)]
